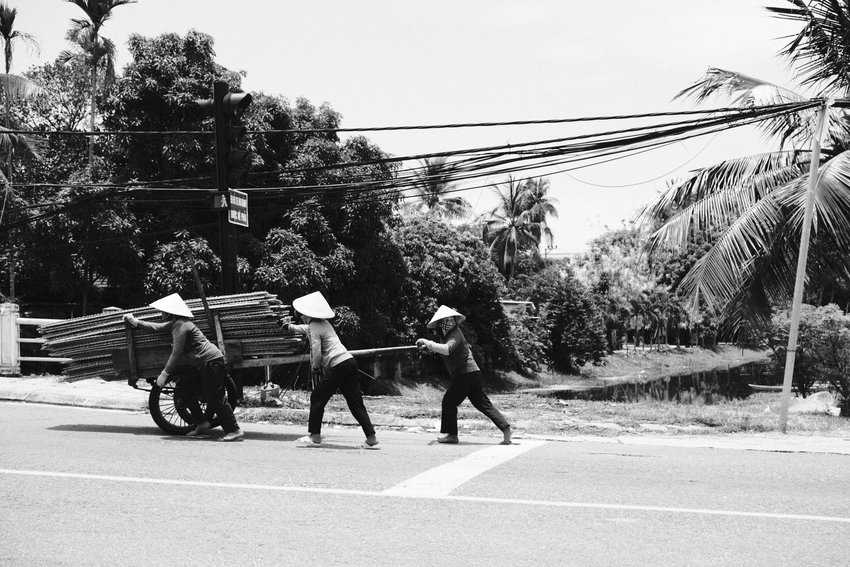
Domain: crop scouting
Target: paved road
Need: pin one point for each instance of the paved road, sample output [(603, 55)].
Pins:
[(95, 487)]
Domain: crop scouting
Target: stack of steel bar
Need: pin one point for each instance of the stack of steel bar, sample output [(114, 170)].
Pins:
[(249, 318)]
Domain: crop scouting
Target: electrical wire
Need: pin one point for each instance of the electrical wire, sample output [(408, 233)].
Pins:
[(388, 128), (612, 141)]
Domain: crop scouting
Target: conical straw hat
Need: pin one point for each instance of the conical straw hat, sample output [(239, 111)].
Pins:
[(174, 305), (444, 312), (313, 305)]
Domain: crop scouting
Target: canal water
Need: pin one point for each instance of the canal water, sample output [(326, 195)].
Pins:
[(707, 386)]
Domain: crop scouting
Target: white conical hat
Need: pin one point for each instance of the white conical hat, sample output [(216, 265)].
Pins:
[(444, 312), (313, 305), (174, 305)]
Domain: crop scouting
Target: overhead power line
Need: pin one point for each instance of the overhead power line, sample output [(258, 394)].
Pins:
[(599, 118)]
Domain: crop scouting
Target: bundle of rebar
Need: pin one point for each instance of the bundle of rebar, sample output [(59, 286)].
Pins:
[(252, 319)]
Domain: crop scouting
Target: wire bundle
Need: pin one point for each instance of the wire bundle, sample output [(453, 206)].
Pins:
[(534, 158)]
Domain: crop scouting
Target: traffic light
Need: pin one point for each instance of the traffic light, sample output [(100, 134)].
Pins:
[(231, 167), (232, 162)]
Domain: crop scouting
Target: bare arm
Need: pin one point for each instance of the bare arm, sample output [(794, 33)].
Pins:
[(315, 348), (299, 329), (156, 327), (435, 347)]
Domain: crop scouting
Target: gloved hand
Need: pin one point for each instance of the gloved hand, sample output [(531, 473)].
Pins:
[(129, 319), (422, 345), (162, 378)]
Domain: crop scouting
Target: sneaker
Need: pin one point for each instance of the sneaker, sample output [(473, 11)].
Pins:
[(308, 441), (200, 429), (233, 435), (449, 439), (370, 443)]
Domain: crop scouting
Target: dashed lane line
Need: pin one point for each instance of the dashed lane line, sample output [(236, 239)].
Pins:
[(442, 480), (449, 498)]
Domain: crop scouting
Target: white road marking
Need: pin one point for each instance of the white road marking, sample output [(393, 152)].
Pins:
[(471, 499), (442, 480)]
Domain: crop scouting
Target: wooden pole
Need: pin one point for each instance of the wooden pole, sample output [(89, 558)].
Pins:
[(800, 281)]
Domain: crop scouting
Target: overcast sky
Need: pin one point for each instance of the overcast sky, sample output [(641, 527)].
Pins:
[(394, 62)]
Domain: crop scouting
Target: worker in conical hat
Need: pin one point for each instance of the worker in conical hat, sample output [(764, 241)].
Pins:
[(332, 367), (187, 341), (464, 374)]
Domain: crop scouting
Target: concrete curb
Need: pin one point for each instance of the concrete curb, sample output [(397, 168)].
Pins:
[(772, 443), (97, 393), (85, 393)]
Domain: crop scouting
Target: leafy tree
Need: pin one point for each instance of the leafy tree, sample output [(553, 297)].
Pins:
[(96, 51), (289, 268), (757, 201), (570, 329), (169, 269), (447, 266), (823, 349), (575, 327)]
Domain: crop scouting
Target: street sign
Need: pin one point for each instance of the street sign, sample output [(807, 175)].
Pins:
[(238, 211)]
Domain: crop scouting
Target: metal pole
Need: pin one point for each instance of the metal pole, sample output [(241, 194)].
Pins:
[(799, 282), (226, 236)]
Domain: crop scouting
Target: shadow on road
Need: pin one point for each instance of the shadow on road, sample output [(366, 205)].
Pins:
[(98, 428), (155, 431)]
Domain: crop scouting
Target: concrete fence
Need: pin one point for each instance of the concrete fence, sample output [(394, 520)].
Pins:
[(11, 341)]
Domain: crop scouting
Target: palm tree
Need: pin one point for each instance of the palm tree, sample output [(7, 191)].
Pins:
[(540, 206), (14, 86), (757, 201), (509, 228), (95, 50), (432, 182)]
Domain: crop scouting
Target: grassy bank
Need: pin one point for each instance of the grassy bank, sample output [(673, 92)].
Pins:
[(418, 406)]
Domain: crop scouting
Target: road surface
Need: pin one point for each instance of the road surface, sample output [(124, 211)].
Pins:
[(97, 487)]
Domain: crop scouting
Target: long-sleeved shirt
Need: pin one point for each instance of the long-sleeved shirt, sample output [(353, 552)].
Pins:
[(187, 340), (326, 350), (457, 356)]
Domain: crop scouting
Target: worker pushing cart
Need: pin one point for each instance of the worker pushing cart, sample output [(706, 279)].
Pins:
[(187, 340)]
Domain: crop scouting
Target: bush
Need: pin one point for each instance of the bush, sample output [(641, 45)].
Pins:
[(823, 348), (576, 330)]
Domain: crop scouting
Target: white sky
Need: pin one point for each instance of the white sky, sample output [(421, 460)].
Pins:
[(392, 62)]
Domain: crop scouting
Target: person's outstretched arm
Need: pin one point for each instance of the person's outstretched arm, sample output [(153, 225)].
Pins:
[(150, 326), (443, 349)]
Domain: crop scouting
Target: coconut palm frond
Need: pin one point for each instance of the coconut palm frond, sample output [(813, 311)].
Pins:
[(715, 210), (831, 212), (820, 50), (753, 169), (721, 207), (746, 91), (743, 89), (718, 276), (18, 87)]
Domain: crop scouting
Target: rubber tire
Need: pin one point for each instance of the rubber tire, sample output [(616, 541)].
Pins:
[(158, 399)]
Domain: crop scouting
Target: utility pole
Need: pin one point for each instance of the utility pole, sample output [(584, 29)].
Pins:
[(800, 281), (226, 107)]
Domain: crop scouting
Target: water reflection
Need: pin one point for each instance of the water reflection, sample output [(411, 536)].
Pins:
[(706, 387)]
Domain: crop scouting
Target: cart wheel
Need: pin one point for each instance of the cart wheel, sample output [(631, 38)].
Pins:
[(169, 410)]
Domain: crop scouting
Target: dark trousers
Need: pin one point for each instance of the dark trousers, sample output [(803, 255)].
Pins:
[(344, 377), (214, 392), (469, 386)]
